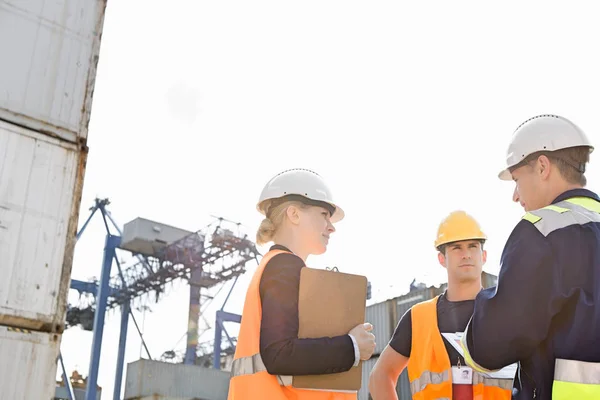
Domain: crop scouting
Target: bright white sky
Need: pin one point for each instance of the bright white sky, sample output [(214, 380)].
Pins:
[(405, 108)]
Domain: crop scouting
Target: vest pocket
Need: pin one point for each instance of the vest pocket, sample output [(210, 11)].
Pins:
[(576, 380)]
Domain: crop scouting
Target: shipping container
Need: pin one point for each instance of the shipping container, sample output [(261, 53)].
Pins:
[(146, 378), (61, 393), (381, 316), (47, 76), (41, 180), (28, 367)]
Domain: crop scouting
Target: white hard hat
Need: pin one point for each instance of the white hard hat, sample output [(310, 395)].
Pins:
[(302, 184), (542, 133)]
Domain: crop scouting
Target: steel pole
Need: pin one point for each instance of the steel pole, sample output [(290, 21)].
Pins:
[(112, 242), (121, 354)]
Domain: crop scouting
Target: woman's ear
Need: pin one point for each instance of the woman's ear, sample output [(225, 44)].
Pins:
[(293, 214)]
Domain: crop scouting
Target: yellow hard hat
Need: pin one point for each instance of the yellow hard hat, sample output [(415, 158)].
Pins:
[(458, 226)]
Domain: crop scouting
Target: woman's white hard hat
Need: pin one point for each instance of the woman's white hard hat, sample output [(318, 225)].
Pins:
[(542, 133), (299, 182)]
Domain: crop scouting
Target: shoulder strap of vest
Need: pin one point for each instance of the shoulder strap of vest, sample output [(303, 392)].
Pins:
[(272, 253), (255, 282), (423, 320), (424, 309), (572, 211), (428, 361)]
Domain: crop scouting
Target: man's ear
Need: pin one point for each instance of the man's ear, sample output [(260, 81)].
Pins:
[(484, 256), (544, 165), (442, 259)]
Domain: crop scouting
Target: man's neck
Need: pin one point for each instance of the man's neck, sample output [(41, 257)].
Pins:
[(463, 291), (559, 187)]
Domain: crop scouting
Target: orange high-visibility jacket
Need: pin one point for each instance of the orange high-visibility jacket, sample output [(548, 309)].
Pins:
[(249, 377), (429, 368)]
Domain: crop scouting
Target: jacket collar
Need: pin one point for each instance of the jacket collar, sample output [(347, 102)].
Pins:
[(580, 192)]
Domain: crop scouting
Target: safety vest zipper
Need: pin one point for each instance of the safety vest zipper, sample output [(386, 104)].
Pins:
[(531, 380)]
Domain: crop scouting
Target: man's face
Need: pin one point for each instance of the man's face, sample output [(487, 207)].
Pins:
[(464, 260), (528, 190)]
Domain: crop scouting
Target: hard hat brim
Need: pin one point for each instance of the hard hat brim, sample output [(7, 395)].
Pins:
[(459, 239), (505, 175), (338, 215)]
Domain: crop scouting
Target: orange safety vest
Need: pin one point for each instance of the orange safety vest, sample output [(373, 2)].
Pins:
[(429, 369), (249, 377)]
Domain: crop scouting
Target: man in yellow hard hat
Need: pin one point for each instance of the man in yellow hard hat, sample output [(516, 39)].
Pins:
[(435, 369)]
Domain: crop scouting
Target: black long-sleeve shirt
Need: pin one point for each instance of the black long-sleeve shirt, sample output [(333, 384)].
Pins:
[(281, 350)]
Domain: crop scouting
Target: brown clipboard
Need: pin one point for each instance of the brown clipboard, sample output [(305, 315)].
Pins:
[(330, 304)]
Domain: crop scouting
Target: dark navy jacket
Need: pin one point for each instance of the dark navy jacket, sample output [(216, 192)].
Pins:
[(546, 304)]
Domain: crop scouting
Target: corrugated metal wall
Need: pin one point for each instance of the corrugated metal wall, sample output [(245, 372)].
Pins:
[(380, 315), (403, 387), (367, 366)]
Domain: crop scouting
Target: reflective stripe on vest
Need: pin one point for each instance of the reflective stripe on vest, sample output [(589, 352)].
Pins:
[(252, 365), (435, 378), (573, 211), (428, 378), (576, 380), (504, 384)]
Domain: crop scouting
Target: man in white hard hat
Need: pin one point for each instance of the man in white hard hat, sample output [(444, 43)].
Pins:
[(545, 311)]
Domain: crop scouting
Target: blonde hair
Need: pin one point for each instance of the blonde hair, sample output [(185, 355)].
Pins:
[(274, 218)]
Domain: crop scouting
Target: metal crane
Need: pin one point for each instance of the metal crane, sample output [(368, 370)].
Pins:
[(206, 258)]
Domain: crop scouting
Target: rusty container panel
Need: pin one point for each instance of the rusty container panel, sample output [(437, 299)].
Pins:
[(28, 367), (41, 180), (381, 316), (50, 51)]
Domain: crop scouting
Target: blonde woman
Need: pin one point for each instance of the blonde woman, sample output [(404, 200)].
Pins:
[(299, 216)]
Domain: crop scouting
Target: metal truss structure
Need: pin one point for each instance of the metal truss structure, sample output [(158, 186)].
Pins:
[(206, 258)]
